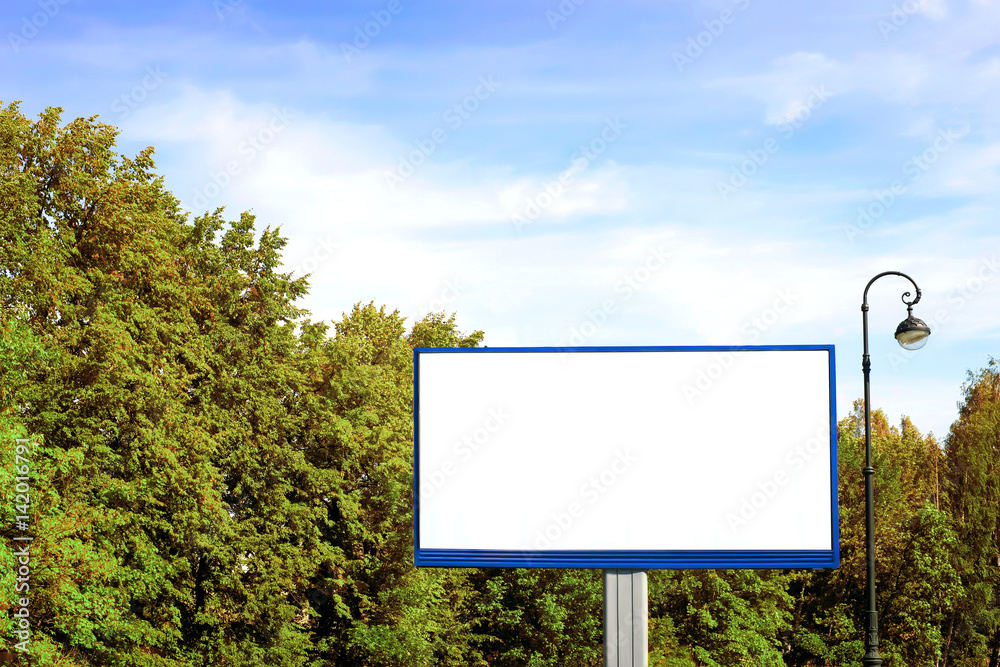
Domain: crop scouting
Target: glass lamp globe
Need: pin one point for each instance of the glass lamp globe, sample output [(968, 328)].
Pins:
[(912, 333)]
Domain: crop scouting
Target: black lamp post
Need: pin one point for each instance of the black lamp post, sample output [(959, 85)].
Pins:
[(912, 334)]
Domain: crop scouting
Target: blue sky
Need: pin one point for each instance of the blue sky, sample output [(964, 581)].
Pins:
[(584, 172)]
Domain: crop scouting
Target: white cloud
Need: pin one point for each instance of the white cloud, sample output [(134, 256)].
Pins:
[(790, 86), (934, 9)]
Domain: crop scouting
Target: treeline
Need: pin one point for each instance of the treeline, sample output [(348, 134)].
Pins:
[(222, 481)]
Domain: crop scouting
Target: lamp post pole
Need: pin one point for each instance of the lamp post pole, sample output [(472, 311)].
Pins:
[(911, 334)]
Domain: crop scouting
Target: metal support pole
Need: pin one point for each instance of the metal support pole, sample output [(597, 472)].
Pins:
[(626, 618), (872, 657)]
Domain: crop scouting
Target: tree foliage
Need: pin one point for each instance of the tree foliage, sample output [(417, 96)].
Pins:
[(972, 482)]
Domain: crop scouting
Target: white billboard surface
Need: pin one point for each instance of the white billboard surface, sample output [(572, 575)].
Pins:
[(602, 454)]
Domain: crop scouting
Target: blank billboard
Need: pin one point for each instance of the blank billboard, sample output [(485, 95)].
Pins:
[(625, 457)]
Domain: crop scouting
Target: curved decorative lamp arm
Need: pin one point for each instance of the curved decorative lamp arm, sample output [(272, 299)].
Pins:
[(912, 332), (909, 304)]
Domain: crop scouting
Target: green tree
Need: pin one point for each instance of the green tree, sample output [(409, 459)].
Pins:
[(719, 617), (916, 581), (372, 606), (437, 330), (172, 532), (972, 464), (539, 617)]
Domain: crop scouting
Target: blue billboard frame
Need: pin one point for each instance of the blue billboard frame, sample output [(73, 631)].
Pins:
[(629, 559)]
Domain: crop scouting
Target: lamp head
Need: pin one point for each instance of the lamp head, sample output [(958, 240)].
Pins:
[(912, 332)]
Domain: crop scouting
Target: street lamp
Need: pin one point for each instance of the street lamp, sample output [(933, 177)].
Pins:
[(911, 334)]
